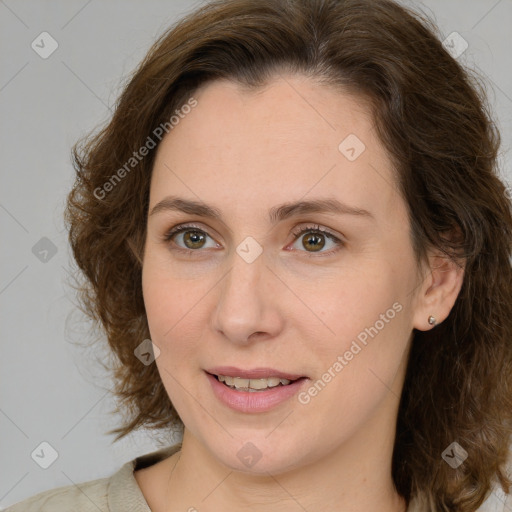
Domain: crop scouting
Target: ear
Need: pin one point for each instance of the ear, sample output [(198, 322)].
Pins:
[(439, 289)]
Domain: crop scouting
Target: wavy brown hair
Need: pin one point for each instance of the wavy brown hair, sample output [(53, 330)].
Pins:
[(432, 116)]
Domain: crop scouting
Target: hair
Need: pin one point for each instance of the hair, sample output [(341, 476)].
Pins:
[(432, 116)]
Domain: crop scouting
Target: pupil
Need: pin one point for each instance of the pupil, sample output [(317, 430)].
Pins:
[(194, 239), (317, 239)]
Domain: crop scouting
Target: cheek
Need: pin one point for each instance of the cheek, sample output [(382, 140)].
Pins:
[(354, 300), (357, 370), (171, 301), (172, 309), (359, 353)]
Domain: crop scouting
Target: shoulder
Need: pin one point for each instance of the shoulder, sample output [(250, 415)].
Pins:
[(497, 501), (116, 493), (83, 497)]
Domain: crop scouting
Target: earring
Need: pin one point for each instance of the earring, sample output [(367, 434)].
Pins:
[(432, 320)]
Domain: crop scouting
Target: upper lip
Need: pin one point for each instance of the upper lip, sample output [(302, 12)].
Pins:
[(252, 373)]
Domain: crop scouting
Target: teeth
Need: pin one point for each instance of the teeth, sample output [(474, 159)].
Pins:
[(252, 384), (240, 383)]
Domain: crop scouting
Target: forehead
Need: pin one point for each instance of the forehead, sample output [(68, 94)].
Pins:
[(292, 109), (289, 138)]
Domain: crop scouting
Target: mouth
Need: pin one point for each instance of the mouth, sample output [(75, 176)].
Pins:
[(254, 391), (254, 381), (253, 385)]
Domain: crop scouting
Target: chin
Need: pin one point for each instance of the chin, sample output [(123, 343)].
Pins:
[(259, 456)]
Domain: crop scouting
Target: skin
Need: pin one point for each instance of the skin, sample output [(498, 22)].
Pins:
[(293, 308)]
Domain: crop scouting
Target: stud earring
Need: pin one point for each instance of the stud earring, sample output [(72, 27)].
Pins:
[(432, 320)]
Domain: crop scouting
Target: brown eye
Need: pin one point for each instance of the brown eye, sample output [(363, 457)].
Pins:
[(189, 238), (313, 241), (194, 239)]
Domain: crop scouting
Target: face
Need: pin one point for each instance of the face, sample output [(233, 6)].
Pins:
[(317, 293)]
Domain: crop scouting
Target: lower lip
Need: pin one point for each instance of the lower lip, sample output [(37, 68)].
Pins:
[(259, 401)]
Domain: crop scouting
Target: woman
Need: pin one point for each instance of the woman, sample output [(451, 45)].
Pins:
[(294, 235)]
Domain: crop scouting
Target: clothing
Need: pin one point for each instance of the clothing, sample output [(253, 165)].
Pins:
[(121, 493), (117, 493)]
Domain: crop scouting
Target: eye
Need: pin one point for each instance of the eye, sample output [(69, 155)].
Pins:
[(189, 238), (315, 238)]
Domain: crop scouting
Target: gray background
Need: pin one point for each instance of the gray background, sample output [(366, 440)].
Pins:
[(51, 389)]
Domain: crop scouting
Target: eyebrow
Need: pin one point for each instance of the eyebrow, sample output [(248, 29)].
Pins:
[(276, 214)]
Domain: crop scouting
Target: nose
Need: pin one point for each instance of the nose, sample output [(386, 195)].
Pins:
[(248, 302)]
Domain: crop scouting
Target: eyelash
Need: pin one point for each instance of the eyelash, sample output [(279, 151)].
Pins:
[(297, 233)]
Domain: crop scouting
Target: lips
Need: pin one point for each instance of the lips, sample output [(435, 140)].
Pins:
[(258, 401), (253, 373)]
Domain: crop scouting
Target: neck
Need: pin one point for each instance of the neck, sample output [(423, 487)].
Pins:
[(355, 477)]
